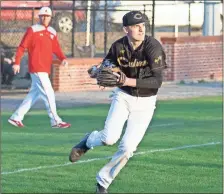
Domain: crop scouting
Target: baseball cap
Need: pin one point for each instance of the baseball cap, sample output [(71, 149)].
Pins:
[(132, 18), (45, 11)]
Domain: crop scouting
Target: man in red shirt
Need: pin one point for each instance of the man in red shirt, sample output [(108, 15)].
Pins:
[(41, 43)]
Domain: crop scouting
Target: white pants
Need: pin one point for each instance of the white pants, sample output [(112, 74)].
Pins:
[(138, 112), (40, 87)]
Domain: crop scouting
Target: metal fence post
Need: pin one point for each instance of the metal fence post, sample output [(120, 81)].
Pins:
[(189, 19), (32, 15), (73, 28), (153, 18), (51, 4), (94, 25), (105, 28)]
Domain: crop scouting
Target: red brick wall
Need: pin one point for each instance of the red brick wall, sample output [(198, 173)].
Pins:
[(75, 76), (189, 58), (193, 58)]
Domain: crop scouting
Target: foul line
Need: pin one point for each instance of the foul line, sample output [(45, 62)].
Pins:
[(108, 157)]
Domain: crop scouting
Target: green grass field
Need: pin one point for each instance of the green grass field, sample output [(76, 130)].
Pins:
[(35, 158)]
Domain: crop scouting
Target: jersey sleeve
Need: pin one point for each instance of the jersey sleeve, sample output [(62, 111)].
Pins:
[(25, 43), (157, 62), (111, 55), (57, 49)]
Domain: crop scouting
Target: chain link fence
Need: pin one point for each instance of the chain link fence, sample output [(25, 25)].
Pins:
[(83, 31), (88, 30), (95, 30)]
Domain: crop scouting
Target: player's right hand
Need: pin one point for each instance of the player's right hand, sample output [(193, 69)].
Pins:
[(16, 68), (64, 63)]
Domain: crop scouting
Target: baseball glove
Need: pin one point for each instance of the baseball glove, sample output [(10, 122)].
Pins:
[(109, 75)]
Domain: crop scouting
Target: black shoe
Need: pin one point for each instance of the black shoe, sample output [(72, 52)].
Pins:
[(79, 150), (100, 189)]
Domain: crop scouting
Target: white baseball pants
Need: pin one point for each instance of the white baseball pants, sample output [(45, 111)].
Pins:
[(40, 87), (138, 112)]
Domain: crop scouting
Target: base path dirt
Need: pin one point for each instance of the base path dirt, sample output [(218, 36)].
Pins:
[(10, 100)]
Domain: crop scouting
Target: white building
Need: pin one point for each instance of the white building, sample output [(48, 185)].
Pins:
[(168, 13)]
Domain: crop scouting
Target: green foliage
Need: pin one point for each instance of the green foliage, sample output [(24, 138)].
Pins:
[(201, 81), (182, 82)]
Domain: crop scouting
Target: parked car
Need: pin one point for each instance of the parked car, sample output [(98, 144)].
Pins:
[(62, 10)]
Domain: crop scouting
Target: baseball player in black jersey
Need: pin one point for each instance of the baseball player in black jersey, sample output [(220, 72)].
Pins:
[(142, 60)]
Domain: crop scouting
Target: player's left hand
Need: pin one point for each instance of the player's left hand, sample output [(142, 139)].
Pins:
[(119, 77), (64, 63)]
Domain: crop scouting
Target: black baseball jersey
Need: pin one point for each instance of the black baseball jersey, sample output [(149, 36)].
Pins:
[(144, 64)]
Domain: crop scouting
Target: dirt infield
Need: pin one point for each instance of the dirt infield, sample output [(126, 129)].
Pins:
[(10, 100)]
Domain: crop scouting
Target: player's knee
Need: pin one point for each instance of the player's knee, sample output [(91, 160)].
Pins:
[(110, 140)]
